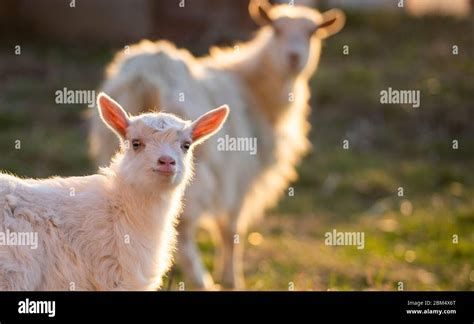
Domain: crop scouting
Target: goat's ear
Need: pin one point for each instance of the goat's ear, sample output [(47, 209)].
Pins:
[(113, 114), (333, 21), (208, 124), (259, 12)]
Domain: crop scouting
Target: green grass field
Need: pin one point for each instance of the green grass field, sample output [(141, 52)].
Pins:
[(408, 240)]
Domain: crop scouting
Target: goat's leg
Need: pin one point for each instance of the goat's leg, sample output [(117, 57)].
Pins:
[(189, 258), (232, 274)]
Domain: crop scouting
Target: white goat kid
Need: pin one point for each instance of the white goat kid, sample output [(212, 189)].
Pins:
[(111, 231), (265, 82)]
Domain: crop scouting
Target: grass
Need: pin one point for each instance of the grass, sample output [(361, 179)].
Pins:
[(423, 240)]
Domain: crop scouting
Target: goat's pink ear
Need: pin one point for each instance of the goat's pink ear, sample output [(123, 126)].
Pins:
[(333, 21), (208, 124), (113, 114), (258, 10)]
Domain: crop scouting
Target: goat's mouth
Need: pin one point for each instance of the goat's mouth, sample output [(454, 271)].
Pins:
[(165, 172)]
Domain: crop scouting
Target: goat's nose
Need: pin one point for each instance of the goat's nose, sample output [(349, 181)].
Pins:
[(166, 160), (294, 59)]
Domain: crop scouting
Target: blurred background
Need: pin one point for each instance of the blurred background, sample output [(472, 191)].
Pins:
[(423, 239)]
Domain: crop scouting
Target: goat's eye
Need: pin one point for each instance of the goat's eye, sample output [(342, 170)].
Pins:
[(185, 146), (136, 144)]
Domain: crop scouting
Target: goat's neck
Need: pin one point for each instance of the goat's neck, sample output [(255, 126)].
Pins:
[(147, 220), (273, 92), (142, 211), (139, 208)]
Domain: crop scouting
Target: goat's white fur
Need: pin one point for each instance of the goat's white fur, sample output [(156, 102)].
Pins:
[(110, 231)]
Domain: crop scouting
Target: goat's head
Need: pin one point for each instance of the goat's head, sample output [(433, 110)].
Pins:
[(157, 147), (296, 32)]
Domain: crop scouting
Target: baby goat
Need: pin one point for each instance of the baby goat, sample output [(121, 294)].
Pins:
[(110, 231)]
